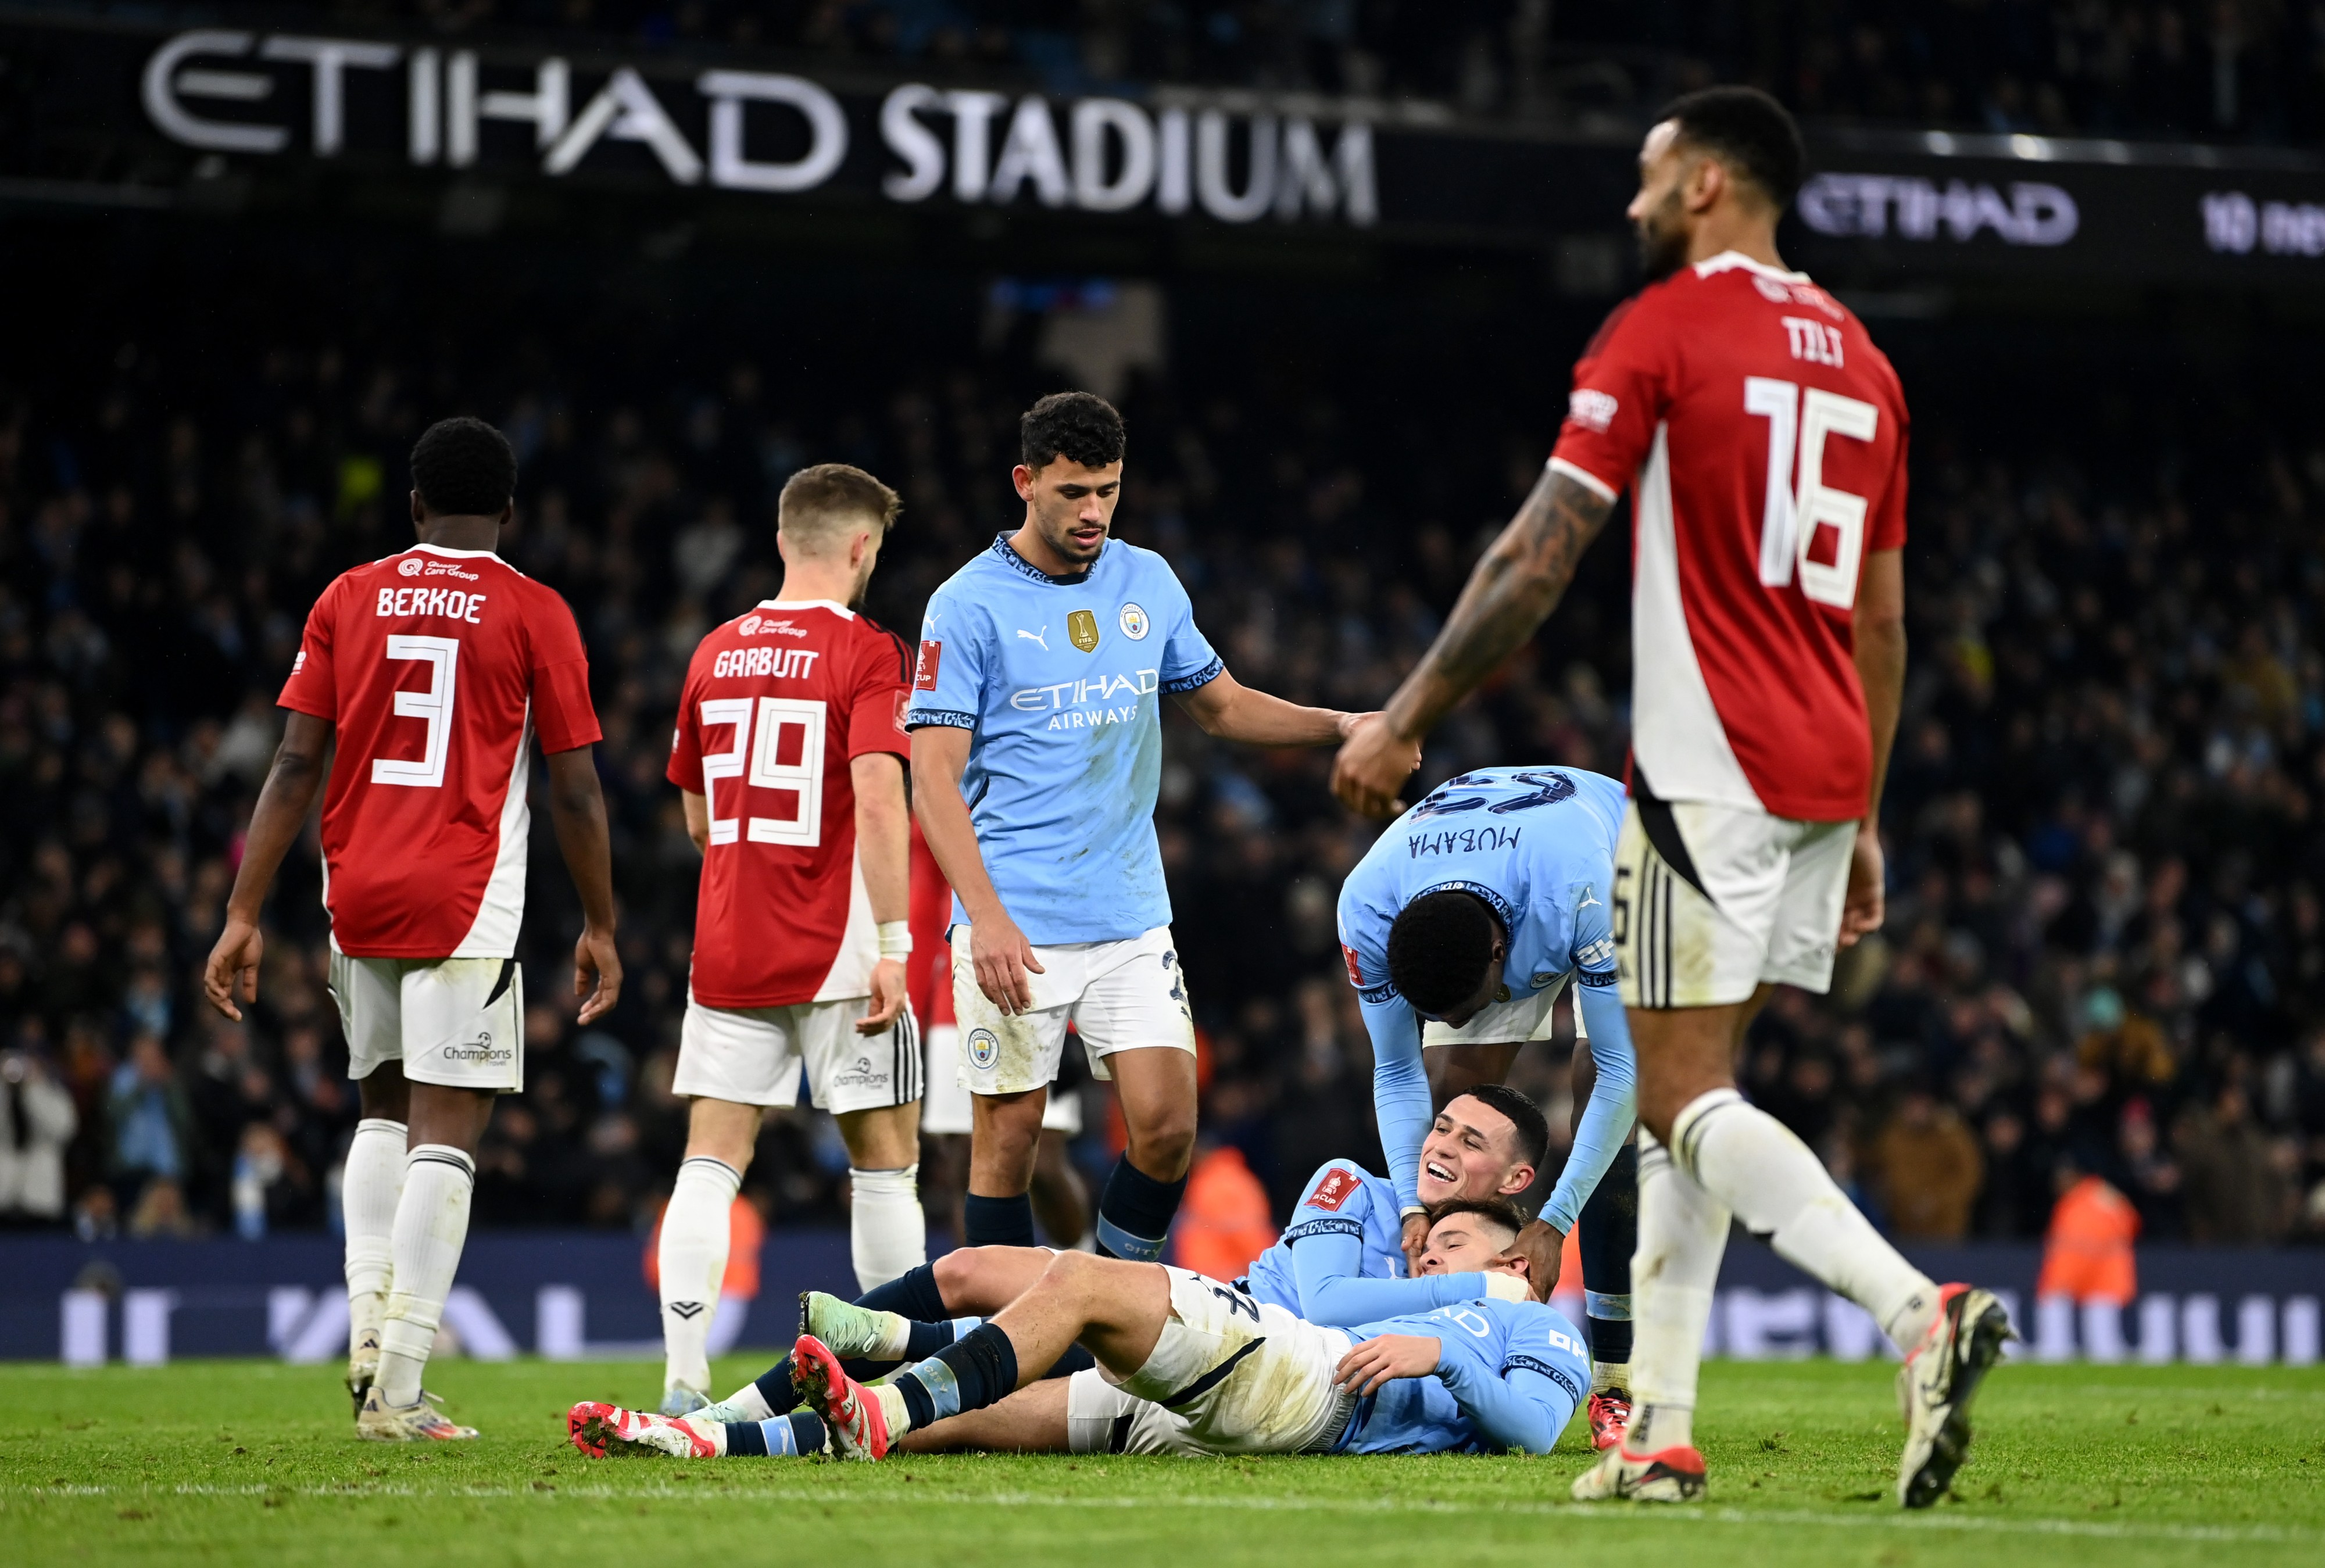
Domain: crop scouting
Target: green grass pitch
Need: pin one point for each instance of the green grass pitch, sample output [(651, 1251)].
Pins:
[(233, 1461)]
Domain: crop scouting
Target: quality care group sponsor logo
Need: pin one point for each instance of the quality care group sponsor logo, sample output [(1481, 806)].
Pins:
[(232, 91)]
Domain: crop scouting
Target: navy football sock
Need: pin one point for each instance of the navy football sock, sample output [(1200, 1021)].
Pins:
[(913, 1294), (800, 1434), (1609, 1229), (775, 1386), (977, 1369), (993, 1222), (1134, 1215)]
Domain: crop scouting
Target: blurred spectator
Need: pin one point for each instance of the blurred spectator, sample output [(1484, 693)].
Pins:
[(152, 1130), (37, 1121), (1223, 1222), (2087, 1255), (2238, 1192), (1927, 1167)]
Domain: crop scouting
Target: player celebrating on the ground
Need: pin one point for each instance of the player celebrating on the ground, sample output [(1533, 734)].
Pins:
[(1472, 912), (1191, 1366), (428, 672), (790, 756), (1764, 437), (1341, 1261), (1037, 751)]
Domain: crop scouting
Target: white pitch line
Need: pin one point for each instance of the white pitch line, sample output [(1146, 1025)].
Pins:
[(718, 1491)]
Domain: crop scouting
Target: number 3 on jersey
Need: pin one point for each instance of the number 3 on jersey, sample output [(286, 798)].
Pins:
[(785, 747), (432, 707), (1790, 518)]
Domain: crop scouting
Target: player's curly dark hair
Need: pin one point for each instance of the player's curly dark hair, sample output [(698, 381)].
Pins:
[(463, 467), (1439, 948), (1744, 127), (1082, 426), (1532, 1127), (1501, 1211)]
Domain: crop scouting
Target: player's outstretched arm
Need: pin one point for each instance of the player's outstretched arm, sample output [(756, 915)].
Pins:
[(1513, 590), (1400, 1105), (997, 950), (1522, 1410), (883, 847), (577, 806), (1880, 652), (301, 762), (1231, 711)]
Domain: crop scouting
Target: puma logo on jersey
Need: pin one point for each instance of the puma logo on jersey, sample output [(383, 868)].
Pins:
[(1590, 901), (1041, 637)]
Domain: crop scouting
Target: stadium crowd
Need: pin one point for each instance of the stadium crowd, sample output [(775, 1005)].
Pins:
[(2105, 947), (2251, 71)]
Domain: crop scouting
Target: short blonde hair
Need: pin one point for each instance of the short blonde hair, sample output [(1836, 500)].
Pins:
[(818, 503)]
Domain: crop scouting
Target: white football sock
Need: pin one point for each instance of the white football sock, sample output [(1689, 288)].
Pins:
[(370, 1184), (887, 1234), (1606, 1375), (1682, 1234), (1781, 1191), (691, 1264), (432, 1225), (749, 1404)]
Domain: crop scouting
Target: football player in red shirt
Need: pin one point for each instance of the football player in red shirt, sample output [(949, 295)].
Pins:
[(1762, 435), (418, 687), (789, 755)]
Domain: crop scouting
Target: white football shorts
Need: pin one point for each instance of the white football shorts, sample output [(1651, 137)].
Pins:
[(944, 1102), (1230, 1375), (1712, 902), (454, 1022), (1119, 996), (753, 1055), (1525, 1015)]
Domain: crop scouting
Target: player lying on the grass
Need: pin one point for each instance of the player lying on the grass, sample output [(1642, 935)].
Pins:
[(1340, 1263), (1461, 926), (1194, 1366)]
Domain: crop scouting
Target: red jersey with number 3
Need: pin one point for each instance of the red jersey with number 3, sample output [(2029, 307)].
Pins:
[(1762, 437), (778, 703), (434, 668)]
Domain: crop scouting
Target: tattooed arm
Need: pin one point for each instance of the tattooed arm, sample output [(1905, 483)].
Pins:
[(1513, 589)]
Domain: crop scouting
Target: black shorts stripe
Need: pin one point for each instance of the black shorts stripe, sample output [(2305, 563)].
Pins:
[(1210, 1380), (500, 986), (1118, 1435), (1662, 831)]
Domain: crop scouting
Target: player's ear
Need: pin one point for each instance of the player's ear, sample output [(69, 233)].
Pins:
[(419, 510), (1520, 1177), (1023, 478)]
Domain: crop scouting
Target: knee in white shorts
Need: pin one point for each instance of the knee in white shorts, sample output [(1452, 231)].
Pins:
[(1118, 996)]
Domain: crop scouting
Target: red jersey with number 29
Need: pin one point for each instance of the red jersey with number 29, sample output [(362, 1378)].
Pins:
[(778, 705), (1762, 437), (434, 668)]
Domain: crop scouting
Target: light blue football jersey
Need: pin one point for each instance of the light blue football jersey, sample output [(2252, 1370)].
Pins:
[(1341, 1260), (1537, 845), (1509, 1374), (1060, 681)]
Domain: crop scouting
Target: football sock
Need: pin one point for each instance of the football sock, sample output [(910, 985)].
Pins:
[(773, 1393), (886, 1232), (369, 1186), (691, 1264), (1607, 1234), (1606, 1375), (996, 1222), (1682, 1233), (1134, 1216), (774, 1437), (911, 1294), (977, 1369), (431, 1224), (1780, 1190)]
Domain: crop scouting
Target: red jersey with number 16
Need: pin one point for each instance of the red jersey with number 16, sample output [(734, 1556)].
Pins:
[(434, 668), (1763, 437), (777, 706)]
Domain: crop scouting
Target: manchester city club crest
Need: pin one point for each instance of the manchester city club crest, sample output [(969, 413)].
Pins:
[(1081, 631), (984, 1049), (1134, 623)]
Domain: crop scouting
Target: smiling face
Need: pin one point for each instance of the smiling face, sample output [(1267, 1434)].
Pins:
[(1465, 1244), (1472, 1152), (1069, 509)]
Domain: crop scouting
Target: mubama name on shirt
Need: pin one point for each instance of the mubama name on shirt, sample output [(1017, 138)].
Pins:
[(1057, 679)]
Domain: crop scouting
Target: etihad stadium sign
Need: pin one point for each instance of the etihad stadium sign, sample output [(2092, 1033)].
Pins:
[(274, 94)]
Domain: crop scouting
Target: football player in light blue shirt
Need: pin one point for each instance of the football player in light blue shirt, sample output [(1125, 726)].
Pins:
[(1037, 753), (1461, 926)]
